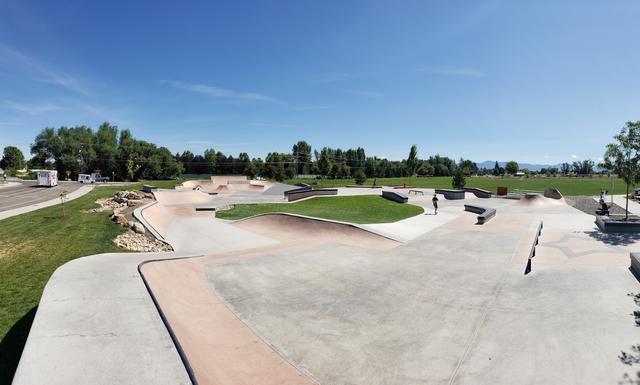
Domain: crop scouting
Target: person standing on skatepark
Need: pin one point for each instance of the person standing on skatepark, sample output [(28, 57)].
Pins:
[(434, 200)]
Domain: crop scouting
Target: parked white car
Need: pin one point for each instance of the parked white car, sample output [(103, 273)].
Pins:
[(86, 178)]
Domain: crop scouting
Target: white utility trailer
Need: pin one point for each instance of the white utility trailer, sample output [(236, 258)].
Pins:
[(47, 178)]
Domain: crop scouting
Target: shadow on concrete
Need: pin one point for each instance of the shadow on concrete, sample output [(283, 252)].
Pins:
[(12, 345), (615, 239)]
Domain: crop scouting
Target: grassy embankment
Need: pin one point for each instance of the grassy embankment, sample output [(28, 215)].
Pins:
[(355, 209), (566, 185), (32, 246)]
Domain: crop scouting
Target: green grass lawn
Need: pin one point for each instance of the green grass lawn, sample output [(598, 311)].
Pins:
[(32, 246), (355, 209), (567, 186)]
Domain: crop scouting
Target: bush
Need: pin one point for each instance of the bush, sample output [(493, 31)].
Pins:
[(458, 180), (360, 177)]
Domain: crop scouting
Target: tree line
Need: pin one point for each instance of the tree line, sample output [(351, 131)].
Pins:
[(114, 152)]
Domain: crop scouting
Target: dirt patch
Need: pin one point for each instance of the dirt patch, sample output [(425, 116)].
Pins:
[(8, 249)]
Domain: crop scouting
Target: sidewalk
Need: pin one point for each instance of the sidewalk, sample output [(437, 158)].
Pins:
[(21, 210)]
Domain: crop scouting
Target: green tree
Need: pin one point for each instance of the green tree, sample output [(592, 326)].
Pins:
[(623, 157), (496, 169), (302, 157), (211, 159), (360, 177), (512, 167), (12, 158), (458, 181), (412, 160)]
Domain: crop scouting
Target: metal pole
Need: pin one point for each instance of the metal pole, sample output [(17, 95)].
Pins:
[(612, 189)]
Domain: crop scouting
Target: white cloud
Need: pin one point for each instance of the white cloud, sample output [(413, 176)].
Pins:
[(367, 94), (454, 71), (221, 93), (32, 108), (574, 156), (41, 72)]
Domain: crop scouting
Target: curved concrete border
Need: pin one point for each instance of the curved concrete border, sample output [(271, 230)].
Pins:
[(175, 340), (137, 213)]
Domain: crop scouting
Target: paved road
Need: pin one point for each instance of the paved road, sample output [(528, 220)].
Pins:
[(28, 193)]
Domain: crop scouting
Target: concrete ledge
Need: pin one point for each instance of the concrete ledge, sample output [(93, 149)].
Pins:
[(484, 213), (451, 194), (478, 192), (395, 196), (608, 225), (294, 196), (302, 187)]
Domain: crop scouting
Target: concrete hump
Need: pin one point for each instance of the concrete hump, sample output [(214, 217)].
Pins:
[(294, 228)]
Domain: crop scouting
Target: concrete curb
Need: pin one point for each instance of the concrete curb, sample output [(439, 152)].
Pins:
[(137, 213)]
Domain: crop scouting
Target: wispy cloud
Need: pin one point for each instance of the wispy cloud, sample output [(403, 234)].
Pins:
[(32, 108), (39, 71), (312, 108), (454, 71), (221, 93), (367, 94)]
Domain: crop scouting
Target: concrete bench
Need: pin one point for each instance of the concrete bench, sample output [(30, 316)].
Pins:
[(478, 192), (451, 194), (484, 213), (416, 192), (395, 196)]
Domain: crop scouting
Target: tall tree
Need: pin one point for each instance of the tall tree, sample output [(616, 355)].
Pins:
[(623, 157), (412, 160), (302, 157)]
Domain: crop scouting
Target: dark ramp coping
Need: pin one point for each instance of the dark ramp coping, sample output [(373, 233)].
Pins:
[(484, 213), (532, 251), (635, 264), (296, 195), (395, 196), (478, 192), (451, 194)]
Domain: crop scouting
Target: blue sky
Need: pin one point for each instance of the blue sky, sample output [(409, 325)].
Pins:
[(535, 81)]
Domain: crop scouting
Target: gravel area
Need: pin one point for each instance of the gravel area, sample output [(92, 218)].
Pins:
[(588, 205)]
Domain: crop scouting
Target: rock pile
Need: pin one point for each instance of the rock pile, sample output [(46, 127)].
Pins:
[(138, 242)]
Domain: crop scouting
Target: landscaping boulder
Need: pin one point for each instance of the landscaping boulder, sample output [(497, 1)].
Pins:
[(119, 219), (553, 193), (134, 202), (138, 228)]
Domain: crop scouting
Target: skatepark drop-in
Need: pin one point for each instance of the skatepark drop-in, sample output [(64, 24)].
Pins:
[(283, 299)]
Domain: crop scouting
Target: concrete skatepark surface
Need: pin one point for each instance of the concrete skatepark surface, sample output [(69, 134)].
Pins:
[(281, 299)]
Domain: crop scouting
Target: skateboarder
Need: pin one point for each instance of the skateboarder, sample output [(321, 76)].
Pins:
[(434, 200)]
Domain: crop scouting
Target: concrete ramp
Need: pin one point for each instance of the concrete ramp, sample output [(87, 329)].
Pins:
[(297, 229)]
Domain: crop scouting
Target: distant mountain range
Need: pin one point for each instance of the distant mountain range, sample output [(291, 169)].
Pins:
[(531, 166)]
